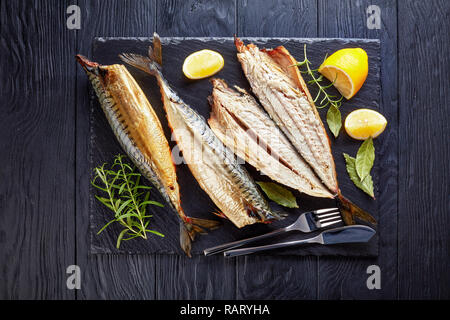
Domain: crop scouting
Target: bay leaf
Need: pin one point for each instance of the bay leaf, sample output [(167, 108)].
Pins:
[(334, 120), (365, 158), (365, 185), (278, 194)]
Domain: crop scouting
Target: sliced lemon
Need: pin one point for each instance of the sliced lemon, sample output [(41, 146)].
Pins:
[(348, 69), (202, 64), (364, 123)]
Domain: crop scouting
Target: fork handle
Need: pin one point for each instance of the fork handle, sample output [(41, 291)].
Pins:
[(239, 243), (244, 251)]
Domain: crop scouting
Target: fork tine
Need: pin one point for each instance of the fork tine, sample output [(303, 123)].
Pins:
[(321, 211), (324, 215), (335, 216), (326, 224)]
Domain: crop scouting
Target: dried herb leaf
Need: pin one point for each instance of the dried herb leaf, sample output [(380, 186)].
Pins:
[(367, 184), (334, 120), (279, 194), (365, 158)]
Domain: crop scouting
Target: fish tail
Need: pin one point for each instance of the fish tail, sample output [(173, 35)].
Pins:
[(190, 227), (185, 239), (155, 52), (151, 64), (350, 211), (145, 64)]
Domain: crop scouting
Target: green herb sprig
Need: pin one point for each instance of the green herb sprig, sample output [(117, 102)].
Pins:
[(359, 168), (334, 118), (126, 197)]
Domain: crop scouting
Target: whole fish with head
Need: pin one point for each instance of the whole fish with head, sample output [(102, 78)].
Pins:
[(213, 165), (140, 134)]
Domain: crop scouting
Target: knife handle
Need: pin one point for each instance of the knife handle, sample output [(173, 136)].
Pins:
[(239, 243), (244, 251)]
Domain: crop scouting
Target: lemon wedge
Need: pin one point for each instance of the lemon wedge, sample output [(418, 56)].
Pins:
[(348, 69), (202, 64), (364, 123)]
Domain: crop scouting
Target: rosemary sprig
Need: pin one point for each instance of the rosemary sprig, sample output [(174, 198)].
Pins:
[(334, 119), (126, 197)]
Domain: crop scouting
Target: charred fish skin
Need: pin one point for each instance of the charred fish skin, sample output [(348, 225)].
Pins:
[(225, 181), (141, 136), (241, 123)]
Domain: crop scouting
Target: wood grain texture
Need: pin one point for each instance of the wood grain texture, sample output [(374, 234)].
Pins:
[(106, 276), (424, 189), (196, 18), (285, 18), (196, 278), (346, 278), (130, 277), (277, 277), (37, 140), (180, 277)]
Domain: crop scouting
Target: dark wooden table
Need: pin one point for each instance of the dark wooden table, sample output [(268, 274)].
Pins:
[(44, 139)]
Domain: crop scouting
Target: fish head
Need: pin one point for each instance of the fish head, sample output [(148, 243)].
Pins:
[(94, 70), (88, 66)]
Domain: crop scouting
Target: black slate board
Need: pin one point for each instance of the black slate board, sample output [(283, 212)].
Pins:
[(103, 145)]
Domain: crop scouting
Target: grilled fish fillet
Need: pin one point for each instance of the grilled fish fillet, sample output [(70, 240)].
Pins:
[(238, 120), (278, 87), (213, 165), (139, 132), (283, 93)]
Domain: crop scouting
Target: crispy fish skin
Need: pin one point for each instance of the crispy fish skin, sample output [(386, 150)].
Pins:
[(283, 93), (140, 134), (238, 120), (288, 104), (213, 165)]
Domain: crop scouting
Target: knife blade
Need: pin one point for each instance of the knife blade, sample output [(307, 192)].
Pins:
[(346, 234)]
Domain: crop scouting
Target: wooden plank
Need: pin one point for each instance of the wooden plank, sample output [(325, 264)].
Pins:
[(106, 276), (265, 277), (345, 278), (424, 221), (285, 18), (179, 277), (196, 278), (37, 171), (194, 18)]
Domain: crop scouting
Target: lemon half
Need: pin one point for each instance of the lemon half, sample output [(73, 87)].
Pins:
[(348, 68), (364, 123), (202, 64)]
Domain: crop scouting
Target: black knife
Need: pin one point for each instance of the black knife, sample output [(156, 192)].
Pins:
[(347, 234)]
